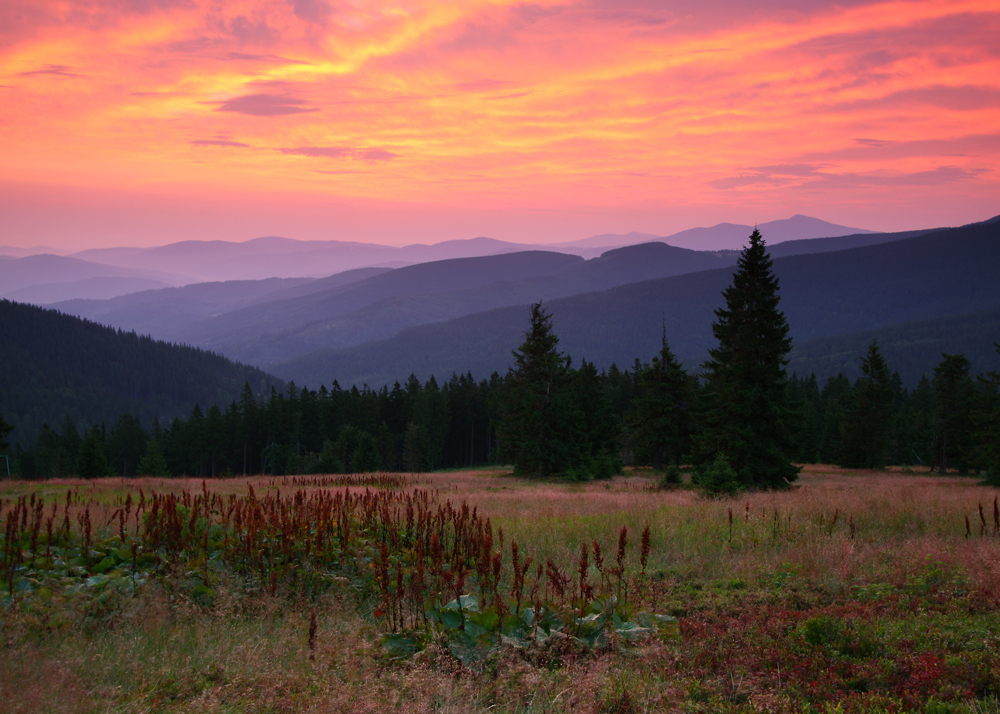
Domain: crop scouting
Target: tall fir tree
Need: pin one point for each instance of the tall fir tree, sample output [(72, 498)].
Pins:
[(954, 392), (595, 431), (5, 429), (661, 416), (986, 426), (867, 429), (747, 416), (534, 432), (92, 461)]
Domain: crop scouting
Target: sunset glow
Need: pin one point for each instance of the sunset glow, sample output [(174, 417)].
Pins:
[(140, 122)]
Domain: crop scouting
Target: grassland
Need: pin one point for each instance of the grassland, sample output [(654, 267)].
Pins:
[(853, 592)]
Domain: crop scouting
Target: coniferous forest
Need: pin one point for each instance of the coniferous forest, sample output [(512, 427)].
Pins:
[(545, 416)]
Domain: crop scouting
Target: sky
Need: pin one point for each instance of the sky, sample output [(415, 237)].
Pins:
[(144, 122)]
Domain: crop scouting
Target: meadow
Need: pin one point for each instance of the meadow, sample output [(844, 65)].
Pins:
[(855, 591)]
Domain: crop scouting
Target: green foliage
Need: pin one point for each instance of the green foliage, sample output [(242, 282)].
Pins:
[(92, 463), (535, 428), (5, 429), (954, 393), (152, 462), (747, 414), (661, 417), (718, 477), (822, 630), (554, 419), (672, 476), (57, 365), (986, 425), (867, 426)]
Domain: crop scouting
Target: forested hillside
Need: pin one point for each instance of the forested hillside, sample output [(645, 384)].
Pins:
[(55, 365), (259, 323), (160, 313), (912, 349), (940, 274)]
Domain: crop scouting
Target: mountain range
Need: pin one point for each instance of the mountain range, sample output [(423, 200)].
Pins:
[(940, 274), (100, 273), (920, 293)]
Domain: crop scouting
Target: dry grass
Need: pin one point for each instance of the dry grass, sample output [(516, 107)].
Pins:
[(250, 654)]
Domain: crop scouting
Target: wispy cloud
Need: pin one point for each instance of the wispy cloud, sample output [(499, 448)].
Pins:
[(266, 105), (60, 70), (341, 152), (219, 142), (763, 177), (628, 107)]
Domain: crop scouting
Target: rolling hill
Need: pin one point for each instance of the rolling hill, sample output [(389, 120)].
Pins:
[(276, 324), (161, 313), (48, 278), (939, 274), (54, 364), (912, 348)]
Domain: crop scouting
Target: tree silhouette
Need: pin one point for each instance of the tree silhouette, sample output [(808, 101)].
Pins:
[(748, 413), (953, 399), (5, 429), (533, 430), (662, 409), (867, 427)]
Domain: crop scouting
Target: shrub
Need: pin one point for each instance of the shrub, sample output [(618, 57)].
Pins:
[(821, 630), (671, 477), (718, 477)]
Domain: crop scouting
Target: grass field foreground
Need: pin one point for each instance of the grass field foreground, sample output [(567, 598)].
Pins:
[(853, 592)]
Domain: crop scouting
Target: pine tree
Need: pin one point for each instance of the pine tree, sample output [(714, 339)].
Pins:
[(92, 461), (5, 429), (986, 433), (594, 430), (867, 428), (748, 413), (953, 399), (661, 418), (534, 433), (152, 462)]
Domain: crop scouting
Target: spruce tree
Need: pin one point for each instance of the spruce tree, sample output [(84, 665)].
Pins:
[(5, 429), (747, 416), (534, 432), (866, 430), (594, 429), (92, 461), (152, 462), (954, 392), (986, 426), (661, 417)]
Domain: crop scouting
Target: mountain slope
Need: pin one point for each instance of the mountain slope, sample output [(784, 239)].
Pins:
[(160, 313), (913, 349), (940, 274), (280, 328), (725, 236), (103, 288), (54, 364), (50, 270), (271, 257)]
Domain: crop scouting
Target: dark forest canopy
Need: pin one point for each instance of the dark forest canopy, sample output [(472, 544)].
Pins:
[(419, 426), (54, 365)]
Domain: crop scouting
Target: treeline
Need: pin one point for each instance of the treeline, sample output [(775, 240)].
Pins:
[(741, 422), (950, 420), (54, 365)]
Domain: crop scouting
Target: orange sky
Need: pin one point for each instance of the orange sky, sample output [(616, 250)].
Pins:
[(141, 122)]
